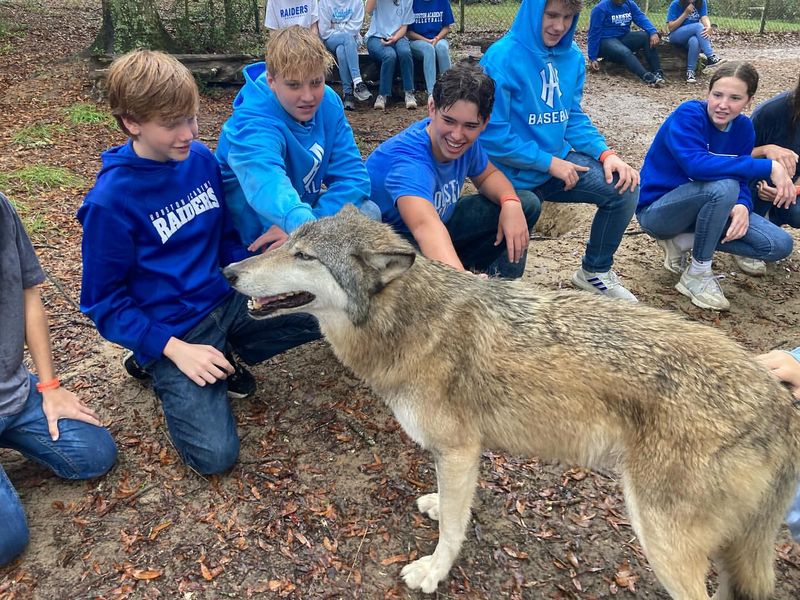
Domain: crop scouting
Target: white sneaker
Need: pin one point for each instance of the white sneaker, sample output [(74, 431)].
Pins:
[(675, 259), (411, 101), (704, 290), (751, 266), (380, 103), (606, 284)]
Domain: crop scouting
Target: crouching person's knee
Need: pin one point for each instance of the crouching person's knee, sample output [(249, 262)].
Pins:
[(216, 454), (370, 210), (782, 245), (15, 533)]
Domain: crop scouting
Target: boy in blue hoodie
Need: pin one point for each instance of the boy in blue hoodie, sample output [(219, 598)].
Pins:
[(610, 37), (287, 152), (539, 136), (156, 232)]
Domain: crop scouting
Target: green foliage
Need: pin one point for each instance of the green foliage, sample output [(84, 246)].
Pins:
[(38, 177), (40, 134), (82, 113), (34, 223)]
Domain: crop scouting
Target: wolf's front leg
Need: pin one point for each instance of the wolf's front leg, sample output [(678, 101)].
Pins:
[(456, 474)]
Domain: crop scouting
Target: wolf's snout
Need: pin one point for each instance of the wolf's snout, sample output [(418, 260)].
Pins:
[(231, 275)]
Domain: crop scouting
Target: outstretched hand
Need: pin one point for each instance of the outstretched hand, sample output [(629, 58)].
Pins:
[(273, 238), (199, 362), (784, 366), (60, 403)]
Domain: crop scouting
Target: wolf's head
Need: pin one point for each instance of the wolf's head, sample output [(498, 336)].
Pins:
[(327, 267)]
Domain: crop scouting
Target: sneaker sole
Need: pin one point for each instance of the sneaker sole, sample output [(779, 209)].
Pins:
[(363, 98), (696, 301), (752, 272), (716, 64), (238, 395)]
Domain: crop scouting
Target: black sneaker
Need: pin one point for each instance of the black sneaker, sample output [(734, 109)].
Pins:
[(660, 79), (241, 384), (133, 368), (652, 79), (349, 102), (361, 92), (714, 60)]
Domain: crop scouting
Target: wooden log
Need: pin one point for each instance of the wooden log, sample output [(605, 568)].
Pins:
[(673, 60)]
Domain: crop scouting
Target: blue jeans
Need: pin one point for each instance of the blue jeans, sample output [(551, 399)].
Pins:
[(689, 37), (473, 230), (704, 207), (432, 56), (199, 418), (614, 210), (345, 48), (622, 50), (388, 56), (793, 516), (83, 451), (780, 216)]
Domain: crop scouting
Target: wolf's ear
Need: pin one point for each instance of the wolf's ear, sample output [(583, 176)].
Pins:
[(390, 265)]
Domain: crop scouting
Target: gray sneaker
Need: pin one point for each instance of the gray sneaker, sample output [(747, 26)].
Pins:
[(751, 266), (675, 260), (605, 284), (704, 290), (411, 101), (380, 103), (361, 92)]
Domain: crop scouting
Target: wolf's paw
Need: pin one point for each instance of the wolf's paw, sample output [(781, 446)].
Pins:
[(429, 505), (422, 574)]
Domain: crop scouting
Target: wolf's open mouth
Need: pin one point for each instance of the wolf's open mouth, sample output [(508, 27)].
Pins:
[(261, 307)]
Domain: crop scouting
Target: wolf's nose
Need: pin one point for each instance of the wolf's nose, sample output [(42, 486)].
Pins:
[(231, 276)]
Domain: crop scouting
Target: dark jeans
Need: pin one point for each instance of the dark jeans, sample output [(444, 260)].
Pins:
[(473, 230), (614, 210), (779, 216), (622, 50), (704, 207), (83, 451), (199, 418)]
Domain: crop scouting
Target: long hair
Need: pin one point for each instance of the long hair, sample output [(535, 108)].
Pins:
[(698, 4), (794, 99)]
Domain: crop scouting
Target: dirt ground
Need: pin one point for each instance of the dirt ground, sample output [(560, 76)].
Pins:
[(320, 504)]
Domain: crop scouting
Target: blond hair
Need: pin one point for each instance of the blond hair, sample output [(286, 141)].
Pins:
[(297, 52), (147, 85)]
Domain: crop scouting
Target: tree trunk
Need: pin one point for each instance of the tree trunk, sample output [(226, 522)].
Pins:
[(130, 24)]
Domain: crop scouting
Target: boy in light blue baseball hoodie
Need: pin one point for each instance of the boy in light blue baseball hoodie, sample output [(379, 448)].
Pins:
[(539, 136), (287, 152)]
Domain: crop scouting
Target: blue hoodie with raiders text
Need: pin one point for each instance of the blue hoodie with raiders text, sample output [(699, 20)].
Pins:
[(155, 235), (537, 110), (279, 171)]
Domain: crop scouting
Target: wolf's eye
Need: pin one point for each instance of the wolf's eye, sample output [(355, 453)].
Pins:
[(303, 256)]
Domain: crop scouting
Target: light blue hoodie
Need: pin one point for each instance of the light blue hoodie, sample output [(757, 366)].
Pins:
[(537, 110), (274, 167)]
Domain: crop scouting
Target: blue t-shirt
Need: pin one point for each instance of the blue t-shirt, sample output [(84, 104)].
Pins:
[(675, 9), (430, 16), (404, 165)]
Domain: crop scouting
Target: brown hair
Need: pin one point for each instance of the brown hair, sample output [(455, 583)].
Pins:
[(297, 52), (743, 71), (468, 83), (146, 85), (575, 5)]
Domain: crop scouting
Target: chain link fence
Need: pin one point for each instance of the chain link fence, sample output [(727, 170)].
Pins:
[(753, 16)]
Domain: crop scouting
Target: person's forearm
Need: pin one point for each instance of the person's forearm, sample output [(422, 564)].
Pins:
[(494, 185), (399, 33), (37, 335), (443, 33), (673, 25), (370, 6), (413, 36), (706, 22), (435, 243)]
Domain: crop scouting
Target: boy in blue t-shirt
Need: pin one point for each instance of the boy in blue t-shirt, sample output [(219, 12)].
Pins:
[(417, 177), (156, 232), (287, 152)]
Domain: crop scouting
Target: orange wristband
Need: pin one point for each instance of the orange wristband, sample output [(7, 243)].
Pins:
[(605, 154), (509, 198), (48, 385), (797, 190)]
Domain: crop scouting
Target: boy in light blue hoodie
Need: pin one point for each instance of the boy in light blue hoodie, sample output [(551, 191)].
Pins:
[(287, 152), (539, 136)]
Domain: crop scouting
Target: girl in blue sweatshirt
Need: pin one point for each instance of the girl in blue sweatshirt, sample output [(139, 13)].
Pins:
[(695, 193), (690, 28)]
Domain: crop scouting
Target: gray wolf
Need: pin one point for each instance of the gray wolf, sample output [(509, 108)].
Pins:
[(706, 441)]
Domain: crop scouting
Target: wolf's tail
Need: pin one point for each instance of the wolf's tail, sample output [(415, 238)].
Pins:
[(746, 563)]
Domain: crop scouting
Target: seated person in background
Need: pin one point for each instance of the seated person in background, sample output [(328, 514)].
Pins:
[(340, 24), (287, 152), (695, 193), (156, 232), (542, 140), (777, 125), (285, 13), (611, 38), (690, 28), (786, 367), (428, 35), (387, 44), (417, 177), (45, 422)]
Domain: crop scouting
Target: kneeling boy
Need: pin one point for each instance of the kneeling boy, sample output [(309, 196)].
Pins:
[(417, 177), (156, 231)]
